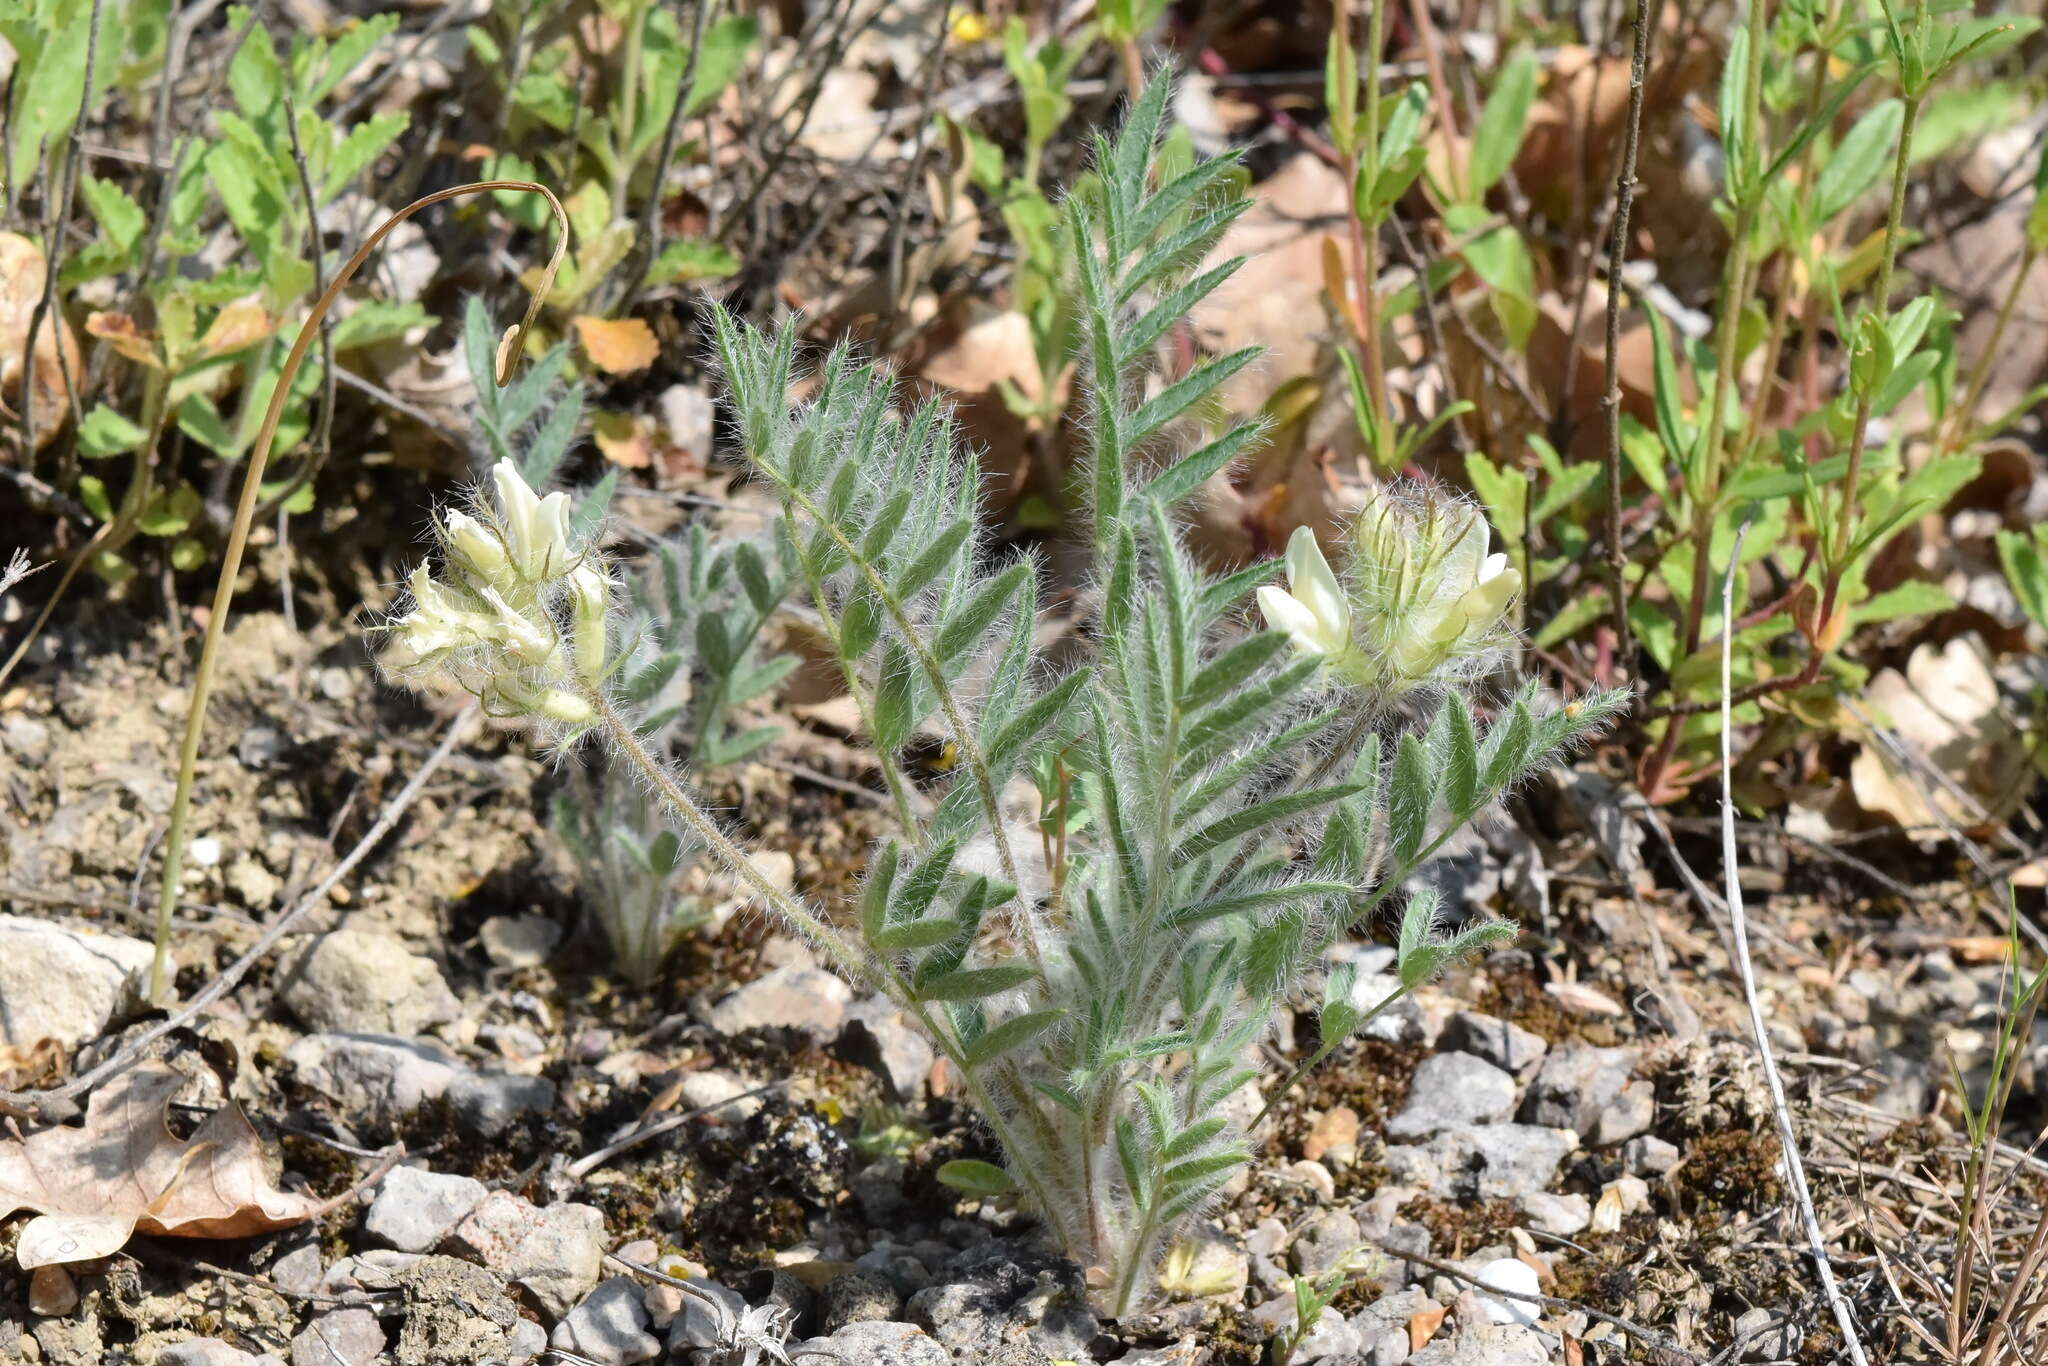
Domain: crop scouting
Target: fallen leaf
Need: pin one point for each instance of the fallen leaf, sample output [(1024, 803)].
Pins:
[(22, 272), (618, 346), (624, 439), (1946, 710), (120, 333), (237, 326), (124, 1172), (1422, 1325), (1581, 999)]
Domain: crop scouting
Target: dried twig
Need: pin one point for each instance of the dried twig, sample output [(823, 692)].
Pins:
[(1795, 1170), (590, 1162)]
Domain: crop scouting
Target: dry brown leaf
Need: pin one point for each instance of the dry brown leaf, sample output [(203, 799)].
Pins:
[(1422, 1325), (624, 439), (1946, 709), (22, 270), (123, 1172), (236, 326), (617, 346), (38, 1064), (119, 332)]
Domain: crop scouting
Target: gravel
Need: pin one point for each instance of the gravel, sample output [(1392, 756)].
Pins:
[(609, 1327), (415, 1208), (1483, 1161), (878, 1344), (555, 1252), (1451, 1089), (365, 982), (1501, 1042), (380, 1078)]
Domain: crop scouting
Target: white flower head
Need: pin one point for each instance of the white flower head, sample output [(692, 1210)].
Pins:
[(1312, 608), (536, 528)]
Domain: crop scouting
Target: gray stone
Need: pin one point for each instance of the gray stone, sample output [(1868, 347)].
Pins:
[(519, 941), (67, 985), (878, 1187), (1326, 1242), (1630, 1113), (609, 1327), (211, 1352), (1563, 1215), (1767, 1335), (878, 1037), (1503, 1043), (380, 1078), (1001, 1289), (456, 1314), (1649, 1155), (1382, 1326), (1451, 1089), (364, 982), (556, 1252), (1483, 1161), (877, 1344), (1575, 1084), (696, 1325), (415, 1208), (339, 1337), (529, 1340), (858, 1297), (1489, 1344), (794, 997), (486, 1104), (1400, 1022)]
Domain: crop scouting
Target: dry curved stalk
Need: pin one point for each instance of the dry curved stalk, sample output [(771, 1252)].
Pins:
[(509, 350)]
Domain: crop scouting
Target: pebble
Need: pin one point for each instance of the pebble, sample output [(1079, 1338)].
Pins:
[(808, 999), (876, 1344), (1767, 1336), (1630, 1113), (339, 1337), (1314, 1175), (556, 1252), (1575, 1084), (366, 982), (879, 1038), (1382, 1326), (858, 1297), (1649, 1155), (519, 941), (1501, 1042), (697, 1325), (1483, 1161), (377, 1077), (1400, 1022), (1451, 1089), (1486, 1344), (1563, 1215), (486, 1104), (415, 1208), (609, 1327), (1333, 1140), (51, 1292), (67, 985), (1326, 1242), (719, 1093), (211, 1352), (1514, 1275)]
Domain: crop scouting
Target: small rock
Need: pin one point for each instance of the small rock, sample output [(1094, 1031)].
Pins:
[(1000, 1289), (802, 998), (211, 1352), (1484, 1161), (256, 885), (381, 1078), (1575, 1084), (204, 852), (858, 1297), (1314, 1175), (609, 1327), (456, 1314), (878, 1187), (720, 1095), (519, 941), (1382, 1326), (1503, 1043), (339, 1337), (876, 1344), (1517, 1277), (1326, 1242), (1563, 1215), (879, 1038), (26, 738), (51, 1292), (527, 1342), (1649, 1155), (1400, 1022), (1332, 1335), (66, 985), (361, 981), (415, 1208), (556, 1252), (1452, 1089), (298, 1270), (1334, 1135), (1767, 1335), (1486, 1344), (486, 1104), (697, 1325), (1627, 1115)]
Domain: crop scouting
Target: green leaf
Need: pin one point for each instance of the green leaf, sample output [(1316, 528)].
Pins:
[(1411, 796), (92, 491), (693, 259), (1503, 123), (972, 984), (365, 142), (119, 217), (1011, 1035), (1858, 160), (971, 1177), (2025, 559), (106, 432)]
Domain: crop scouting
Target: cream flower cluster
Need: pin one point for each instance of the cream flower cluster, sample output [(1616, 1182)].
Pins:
[(517, 614), (1422, 602)]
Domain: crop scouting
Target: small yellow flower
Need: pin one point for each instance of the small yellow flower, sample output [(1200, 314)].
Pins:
[(966, 27)]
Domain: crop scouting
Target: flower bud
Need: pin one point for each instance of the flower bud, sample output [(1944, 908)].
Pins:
[(590, 596), (526, 642), (536, 528), (477, 551), (1312, 609)]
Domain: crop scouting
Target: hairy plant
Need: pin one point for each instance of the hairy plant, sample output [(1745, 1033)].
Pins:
[(1218, 803)]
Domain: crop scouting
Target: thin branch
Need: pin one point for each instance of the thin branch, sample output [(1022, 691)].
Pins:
[(1788, 1138)]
